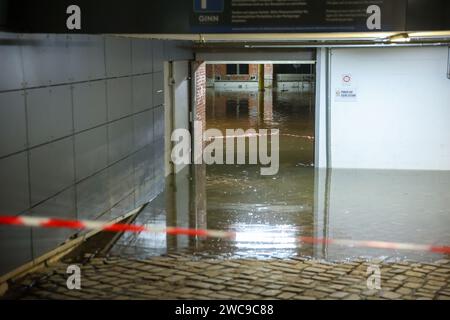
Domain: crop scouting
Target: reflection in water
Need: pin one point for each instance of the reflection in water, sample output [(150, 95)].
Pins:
[(270, 212)]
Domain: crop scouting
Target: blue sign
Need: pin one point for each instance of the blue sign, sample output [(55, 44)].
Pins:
[(206, 6)]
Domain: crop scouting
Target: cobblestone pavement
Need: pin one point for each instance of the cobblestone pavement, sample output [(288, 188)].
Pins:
[(186, 277)]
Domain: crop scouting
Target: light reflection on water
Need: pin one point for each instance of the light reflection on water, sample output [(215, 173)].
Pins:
[(270, 212)]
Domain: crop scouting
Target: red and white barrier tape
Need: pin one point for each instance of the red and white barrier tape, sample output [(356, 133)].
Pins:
[(27, 221)]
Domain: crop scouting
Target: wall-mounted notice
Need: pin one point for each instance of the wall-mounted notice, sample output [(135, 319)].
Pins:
[(346, 94), (224, 16), (297, 15)]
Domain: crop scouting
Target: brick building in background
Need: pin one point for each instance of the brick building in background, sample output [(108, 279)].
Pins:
[(238, 73), (245, 76)]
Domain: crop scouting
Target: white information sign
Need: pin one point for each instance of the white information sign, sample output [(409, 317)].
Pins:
[(347, 91)]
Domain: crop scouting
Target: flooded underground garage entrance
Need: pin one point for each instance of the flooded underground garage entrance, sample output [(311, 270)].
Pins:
[(226, 150), (311, 229), (267, 212), (270, 213)]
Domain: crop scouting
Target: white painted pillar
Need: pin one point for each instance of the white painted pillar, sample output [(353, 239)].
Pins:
[(320, 160)]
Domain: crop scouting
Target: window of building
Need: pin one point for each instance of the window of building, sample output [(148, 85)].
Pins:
[(294, 68), (237, 68)]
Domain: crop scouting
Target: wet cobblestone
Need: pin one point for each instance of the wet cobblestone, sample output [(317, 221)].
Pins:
[(185, 277)]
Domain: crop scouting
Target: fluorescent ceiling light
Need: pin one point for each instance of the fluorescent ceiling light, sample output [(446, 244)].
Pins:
[(401, 37)]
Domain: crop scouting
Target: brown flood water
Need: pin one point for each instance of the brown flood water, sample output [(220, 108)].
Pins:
[(269, 212)]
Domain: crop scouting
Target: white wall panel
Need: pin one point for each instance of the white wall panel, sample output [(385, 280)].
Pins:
[(401, 116)]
